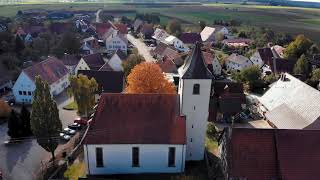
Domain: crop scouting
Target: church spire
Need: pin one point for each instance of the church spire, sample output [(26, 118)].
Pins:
[(194, 66)]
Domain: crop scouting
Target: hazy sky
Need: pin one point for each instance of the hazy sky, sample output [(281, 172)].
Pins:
[(308, 0)]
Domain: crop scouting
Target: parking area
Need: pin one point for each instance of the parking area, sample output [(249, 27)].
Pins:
[(24, 160)]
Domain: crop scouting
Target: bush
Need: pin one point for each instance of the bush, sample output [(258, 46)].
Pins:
[(212, 131), (5, 109)]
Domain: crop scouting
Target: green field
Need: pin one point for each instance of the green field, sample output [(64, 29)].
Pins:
[(281, 19)]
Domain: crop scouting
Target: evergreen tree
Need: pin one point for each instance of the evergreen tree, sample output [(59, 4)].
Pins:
[(45, 121), (25, 120), (302, 66), (14, 125), (19, 44)]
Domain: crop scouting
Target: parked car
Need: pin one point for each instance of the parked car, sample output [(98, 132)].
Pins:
[(74, 126), (81, 121), (69, 131), (65, 137)]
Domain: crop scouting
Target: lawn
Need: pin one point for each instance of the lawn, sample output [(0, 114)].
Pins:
[(71, 106)]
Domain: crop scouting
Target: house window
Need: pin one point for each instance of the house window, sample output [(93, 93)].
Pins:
[(196, 89), (190, 139), (24, 93), (135, 157), (172, 157), (99, 157), (20, 92), (29, 93)]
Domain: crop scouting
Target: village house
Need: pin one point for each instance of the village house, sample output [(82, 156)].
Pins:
[(117, 41), (256, 154), (89, 45), (190, 39), (213, 63), (208, 34), (131, 149), (176, 43), (278, 51), (291, 104), (90, 62), (51, 70), (163, 50), (262, 55), (167, 65), (137, 25), (160, 35), (237, 43), (116, 60), (108, 81), (70, 61), (147, 31), (237, 62)]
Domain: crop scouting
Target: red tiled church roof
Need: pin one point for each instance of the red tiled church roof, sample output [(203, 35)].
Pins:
[(50, 70), (137, 119)]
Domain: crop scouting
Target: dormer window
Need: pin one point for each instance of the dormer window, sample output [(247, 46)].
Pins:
[(196, 89)]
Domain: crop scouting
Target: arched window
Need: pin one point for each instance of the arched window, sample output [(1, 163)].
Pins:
[(196, 89)]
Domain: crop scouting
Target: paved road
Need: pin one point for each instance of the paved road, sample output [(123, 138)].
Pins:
[(142, 48), (22, 161)]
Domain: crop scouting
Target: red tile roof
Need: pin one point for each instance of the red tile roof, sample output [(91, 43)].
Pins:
[(94, 61), (264, 154), (137, 119), (123, 29), (50, 70), (102, 28), (190, 38), (70, 60), (147, 29), (167, 65)]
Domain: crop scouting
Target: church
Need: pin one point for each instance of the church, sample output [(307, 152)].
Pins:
[(152, 133)]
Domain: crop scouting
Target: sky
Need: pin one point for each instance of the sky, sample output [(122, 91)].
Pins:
[(307, 0)]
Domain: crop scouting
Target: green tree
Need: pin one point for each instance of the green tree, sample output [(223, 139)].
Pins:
[(19, 44), (250, 75), (83, 90), (202, 25), (315, 76), (301, 66), (212, 132), (298, 47), (69, 43), (131, 62), (174, 27), (25, 120), (45, 121)]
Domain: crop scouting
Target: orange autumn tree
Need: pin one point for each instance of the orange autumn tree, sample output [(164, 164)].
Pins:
[(148, 78)]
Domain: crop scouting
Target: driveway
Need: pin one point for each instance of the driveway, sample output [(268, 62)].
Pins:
[(142, 48), (23, 160)]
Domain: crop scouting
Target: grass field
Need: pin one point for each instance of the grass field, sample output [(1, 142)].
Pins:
[(293, 20)]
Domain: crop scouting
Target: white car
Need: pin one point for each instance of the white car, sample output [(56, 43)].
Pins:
[(65, 137), (69, 131)]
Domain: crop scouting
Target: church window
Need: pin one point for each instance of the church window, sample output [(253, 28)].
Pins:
[(196, 89)]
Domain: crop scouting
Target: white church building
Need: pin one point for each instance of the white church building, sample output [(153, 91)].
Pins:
[(152, 133)]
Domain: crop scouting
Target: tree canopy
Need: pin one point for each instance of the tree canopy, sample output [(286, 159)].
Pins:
[(298, 47), (174, 27), (302, 66), (131, 62), (45, 121), (148, 78), (315, 75), (83, 90), (250, 75)]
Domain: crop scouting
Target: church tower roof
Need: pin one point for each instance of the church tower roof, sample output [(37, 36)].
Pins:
[(194, 66)]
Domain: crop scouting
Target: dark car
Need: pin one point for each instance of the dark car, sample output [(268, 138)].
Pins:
[(81, 121), (74, 126)]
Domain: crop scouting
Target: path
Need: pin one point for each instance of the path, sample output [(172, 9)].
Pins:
[(142, 48)]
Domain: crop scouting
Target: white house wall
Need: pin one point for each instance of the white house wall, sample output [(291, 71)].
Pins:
[(60, 85), (23, 84), (256, 59), (115, 63), (82, 65), (116, 43), (196, 110), (117, 159), (216, 67)]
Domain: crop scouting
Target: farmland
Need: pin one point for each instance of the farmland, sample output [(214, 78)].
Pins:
[(281, 19)]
